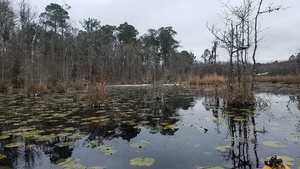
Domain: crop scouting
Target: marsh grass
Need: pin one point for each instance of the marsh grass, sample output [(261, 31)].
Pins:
[(98, 93), (207, 79), (288, 79)]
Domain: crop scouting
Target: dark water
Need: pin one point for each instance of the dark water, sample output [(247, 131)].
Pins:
[(183, 129)]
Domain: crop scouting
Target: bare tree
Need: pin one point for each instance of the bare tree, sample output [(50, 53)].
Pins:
[(238, 37)]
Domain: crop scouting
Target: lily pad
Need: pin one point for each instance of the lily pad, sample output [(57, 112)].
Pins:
[(207, 153), (4, 137), (139, 144), (72, 163), (215, 167), (142, 161), (197, 145), (69, 129), (224, 148), (96, 167), (77, 135), (46, 137), (14, 145), (63, 144), (293, 139), (170, 127), (274, 144), (153, 131), (2, 156), (63, 134), (61, 160), (106, 149)]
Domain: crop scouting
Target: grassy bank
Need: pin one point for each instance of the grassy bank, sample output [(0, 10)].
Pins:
[(206, 80), (212, 78), (288, 79)]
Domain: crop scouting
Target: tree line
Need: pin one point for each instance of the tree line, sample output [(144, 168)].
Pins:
[(46, 48)]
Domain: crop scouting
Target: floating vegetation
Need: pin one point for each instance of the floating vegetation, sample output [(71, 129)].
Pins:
[(93, 143), (86, 123), (2, 137), (170, 127), (14, 145), (239, 118), (274, 144), (63, 144), (46, 137), (296, 133), (77, 135), (142, 161), (153, 131), (293, 139), (238, 139), (197, 145), (63, 134), (71, 163), (224, 148), (69, 129), (139, 144), (278, 129), (61, 160), (215, 167), (106, 149), (2, 156), (207, 153), (96, 167)]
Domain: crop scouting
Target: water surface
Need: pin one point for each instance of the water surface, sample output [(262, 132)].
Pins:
[(182, 129)]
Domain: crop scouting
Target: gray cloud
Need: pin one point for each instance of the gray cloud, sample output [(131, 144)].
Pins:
[(189, 19)]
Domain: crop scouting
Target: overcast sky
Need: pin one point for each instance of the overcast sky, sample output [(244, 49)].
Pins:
[(189, 18)]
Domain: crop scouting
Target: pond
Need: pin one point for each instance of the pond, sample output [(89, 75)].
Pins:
[(138, 128)]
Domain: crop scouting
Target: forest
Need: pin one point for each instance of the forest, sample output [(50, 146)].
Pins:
[(44, 51)]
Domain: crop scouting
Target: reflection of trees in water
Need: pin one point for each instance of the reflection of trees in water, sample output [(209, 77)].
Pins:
[(241, 139), (212, 103), (239, 132), (293, 99), (141, 107), (56, 152), (26, 156)]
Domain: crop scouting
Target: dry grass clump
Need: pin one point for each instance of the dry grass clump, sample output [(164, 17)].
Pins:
[(207, 79), (31, 88), (288, 79), (99, 93)]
